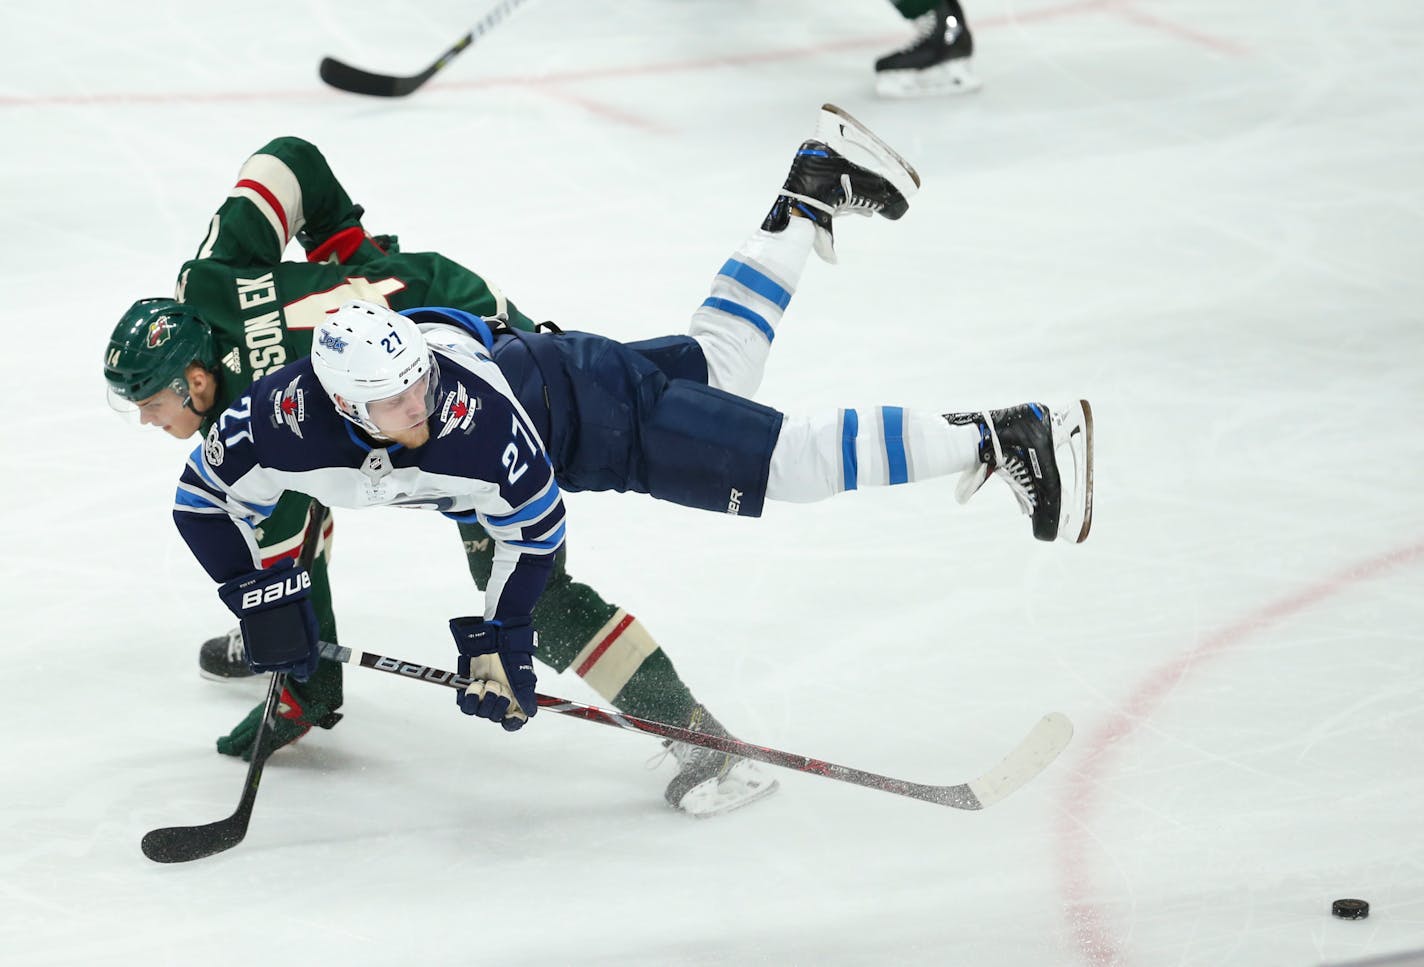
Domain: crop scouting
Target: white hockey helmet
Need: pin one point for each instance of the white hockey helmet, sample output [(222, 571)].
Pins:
[(366, 354)]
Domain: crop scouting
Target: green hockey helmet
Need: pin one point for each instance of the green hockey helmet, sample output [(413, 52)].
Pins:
[(151, 348)]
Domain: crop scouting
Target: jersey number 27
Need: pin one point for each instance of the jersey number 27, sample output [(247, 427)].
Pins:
[(511, 457)]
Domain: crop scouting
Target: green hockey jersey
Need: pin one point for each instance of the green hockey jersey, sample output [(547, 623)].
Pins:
[(262, 309)]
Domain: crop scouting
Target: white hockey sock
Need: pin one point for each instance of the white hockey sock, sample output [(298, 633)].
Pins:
[(737, 322), (822, 455)]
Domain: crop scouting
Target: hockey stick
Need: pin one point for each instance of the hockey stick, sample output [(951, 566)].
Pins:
[(355, 80), (1042, 745), (180, 844)]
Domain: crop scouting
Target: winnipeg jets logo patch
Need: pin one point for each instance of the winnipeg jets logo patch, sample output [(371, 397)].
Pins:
[(289, 407), (458, 411)]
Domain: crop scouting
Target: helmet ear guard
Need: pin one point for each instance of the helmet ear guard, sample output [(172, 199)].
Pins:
[(363, 353), (151, 348)]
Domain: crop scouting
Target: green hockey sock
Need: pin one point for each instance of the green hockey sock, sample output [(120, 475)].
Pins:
[(604, 645)]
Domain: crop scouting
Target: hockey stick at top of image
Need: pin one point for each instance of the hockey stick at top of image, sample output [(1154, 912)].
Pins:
[(182, 844), (357, 81), (1044, 742)]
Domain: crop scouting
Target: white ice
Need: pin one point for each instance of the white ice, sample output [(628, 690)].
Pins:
[(1206, 217)]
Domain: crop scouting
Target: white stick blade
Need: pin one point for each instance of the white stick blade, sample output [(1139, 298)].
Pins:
[(1044, 742)]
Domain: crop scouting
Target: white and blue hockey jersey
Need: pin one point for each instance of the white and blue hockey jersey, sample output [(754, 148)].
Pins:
[(484, 462)]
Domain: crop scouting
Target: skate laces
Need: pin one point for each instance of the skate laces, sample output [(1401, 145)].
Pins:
[(925, 26), (852, 204), (856, 204), (236, 651), (691, 758), (1020, 481), (1008, 467), (697, 759)]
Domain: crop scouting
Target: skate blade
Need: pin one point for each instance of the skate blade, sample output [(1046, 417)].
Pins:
[(839, 129), (1074, 435), (214, 677), (951, 77), (742, 786)]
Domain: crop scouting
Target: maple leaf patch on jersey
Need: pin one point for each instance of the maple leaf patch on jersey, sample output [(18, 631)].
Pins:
[(289, 407), (457, 412)]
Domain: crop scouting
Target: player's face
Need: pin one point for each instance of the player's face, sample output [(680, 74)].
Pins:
[(405, 413), (166, 411)]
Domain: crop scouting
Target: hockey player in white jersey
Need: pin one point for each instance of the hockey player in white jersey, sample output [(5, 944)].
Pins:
[(436, 409)]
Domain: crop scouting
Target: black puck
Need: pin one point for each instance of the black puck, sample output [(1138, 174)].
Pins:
[(1350, 909)]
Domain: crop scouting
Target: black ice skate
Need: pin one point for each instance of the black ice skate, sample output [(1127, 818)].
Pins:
[(224, 659), (708, 782), (936, 63), (1045, 456), (845, 168)]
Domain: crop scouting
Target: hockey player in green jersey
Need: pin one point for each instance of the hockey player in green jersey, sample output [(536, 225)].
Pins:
[(242, 312)]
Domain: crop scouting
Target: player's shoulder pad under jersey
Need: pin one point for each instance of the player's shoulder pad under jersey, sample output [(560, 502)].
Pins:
[(291, 424), (478, 430), (459, 319), (299, 428)]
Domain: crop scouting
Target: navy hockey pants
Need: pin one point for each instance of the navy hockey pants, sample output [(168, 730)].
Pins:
[(640, 416)]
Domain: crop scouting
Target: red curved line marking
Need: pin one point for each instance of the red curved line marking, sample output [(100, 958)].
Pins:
[(1095, 939), (319, 90), (1188, 34)]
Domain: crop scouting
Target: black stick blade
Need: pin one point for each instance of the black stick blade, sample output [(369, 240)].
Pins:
[(182, 844), (344, 77)]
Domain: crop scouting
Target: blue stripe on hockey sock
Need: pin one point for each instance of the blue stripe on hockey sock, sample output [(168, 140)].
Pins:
[(741, 312), (893, 420), (850, 428), (757, 282)]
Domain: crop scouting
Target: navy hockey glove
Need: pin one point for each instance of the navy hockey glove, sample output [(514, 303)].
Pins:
[(500, 660), (278, 621)]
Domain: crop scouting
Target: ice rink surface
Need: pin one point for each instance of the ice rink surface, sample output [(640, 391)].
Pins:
[(1205, 217)]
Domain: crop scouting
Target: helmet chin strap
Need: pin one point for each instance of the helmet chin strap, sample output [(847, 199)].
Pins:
[(187, 394), (202, 414)]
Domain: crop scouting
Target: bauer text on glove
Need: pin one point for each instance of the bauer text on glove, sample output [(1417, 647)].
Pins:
[(279, 626)]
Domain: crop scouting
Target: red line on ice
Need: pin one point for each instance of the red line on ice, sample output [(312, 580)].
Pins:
[(1095, 938), (318, 90)]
